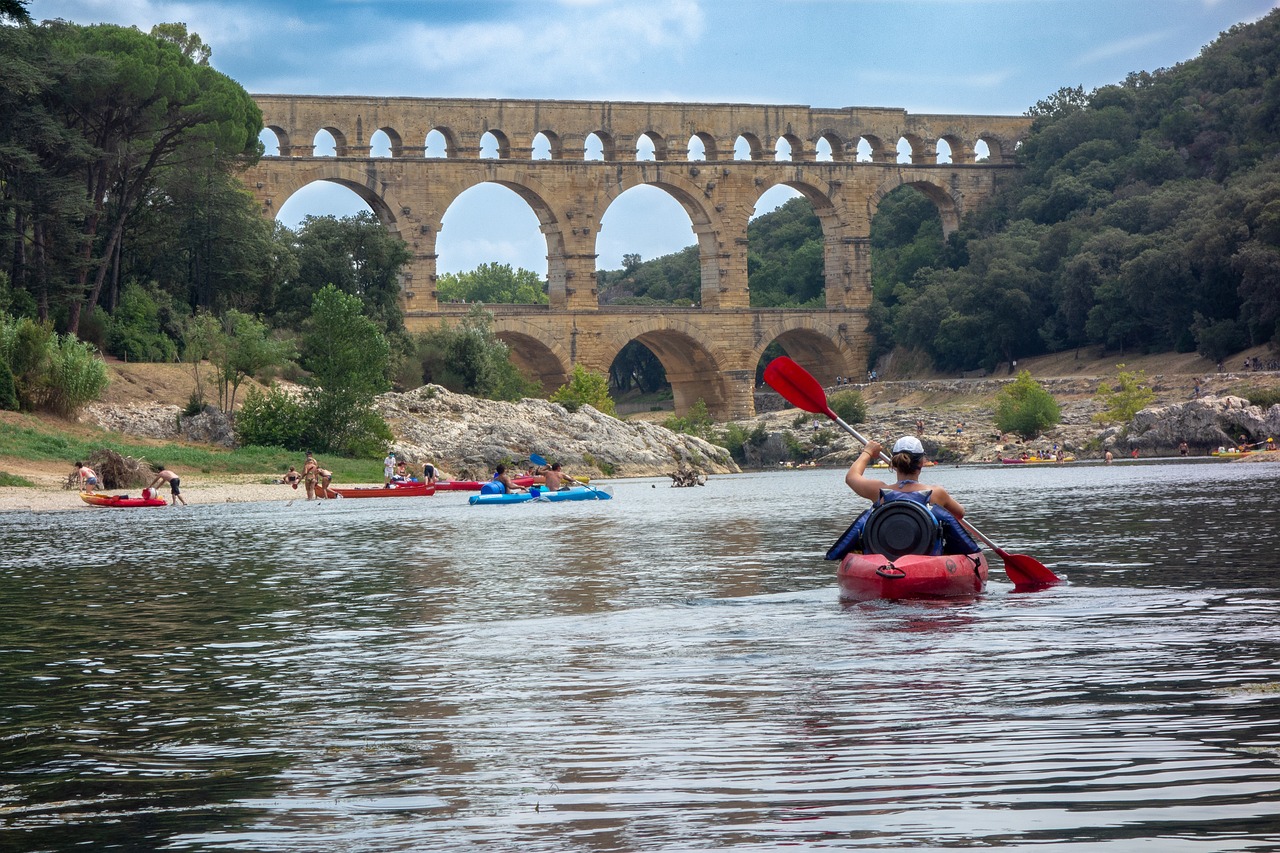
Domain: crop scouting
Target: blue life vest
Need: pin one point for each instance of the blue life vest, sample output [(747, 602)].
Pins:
[(934, 532)]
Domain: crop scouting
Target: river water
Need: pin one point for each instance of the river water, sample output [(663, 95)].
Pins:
[(669, 670)]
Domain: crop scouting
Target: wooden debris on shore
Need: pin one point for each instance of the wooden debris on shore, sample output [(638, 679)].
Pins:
[(685, 476), (116, 471)]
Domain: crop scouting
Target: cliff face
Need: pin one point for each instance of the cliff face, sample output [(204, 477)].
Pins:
[(467, 436)]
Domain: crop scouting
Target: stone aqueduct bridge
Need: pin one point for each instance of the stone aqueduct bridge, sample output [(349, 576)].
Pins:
[(711, 351)]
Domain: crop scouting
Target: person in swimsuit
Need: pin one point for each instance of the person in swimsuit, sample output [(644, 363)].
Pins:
[(906, 462), (88, 478), (164, 475), (310, 474), (292, 477), (554, 478)]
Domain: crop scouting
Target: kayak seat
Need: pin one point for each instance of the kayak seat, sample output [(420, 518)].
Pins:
[(902, 527)]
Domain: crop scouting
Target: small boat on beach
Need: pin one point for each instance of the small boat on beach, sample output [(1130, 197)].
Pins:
[(1036, 460), (97, 499), (864, 577), (395, 490)]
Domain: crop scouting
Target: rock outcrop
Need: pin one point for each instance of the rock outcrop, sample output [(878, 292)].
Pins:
[(468, 436), (1206, 423)]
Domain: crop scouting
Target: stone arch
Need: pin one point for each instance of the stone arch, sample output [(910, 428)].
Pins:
[(450, 143), (706, 222), (340, 148), (659, 143), (960, 150), (817, 347), (796, 144), (694, 371), (709, 150), (554, 144), (536, 195), (935, 190), (997, 147), (834, 220), (917, 147), (881, 151), (547, 364), (608, 145), (502, 144), (834, 142), (755, 151), (396, 141), (282, 139)]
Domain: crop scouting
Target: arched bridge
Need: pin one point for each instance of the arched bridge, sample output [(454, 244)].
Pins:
[(589, 158)]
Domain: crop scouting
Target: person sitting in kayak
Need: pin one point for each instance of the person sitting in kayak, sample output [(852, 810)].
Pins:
[(555, 478), (906, 462), (500, 484)]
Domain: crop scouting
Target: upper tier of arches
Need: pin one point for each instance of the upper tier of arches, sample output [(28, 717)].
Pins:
[(616, 131)]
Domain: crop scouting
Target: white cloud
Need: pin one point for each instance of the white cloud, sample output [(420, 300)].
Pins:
[(562, 48), (1121, 47)]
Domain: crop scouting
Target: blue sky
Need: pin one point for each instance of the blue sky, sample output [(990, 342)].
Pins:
[(953, 56)]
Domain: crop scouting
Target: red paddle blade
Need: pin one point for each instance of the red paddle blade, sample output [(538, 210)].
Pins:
[(798, 386), (1027, 571)]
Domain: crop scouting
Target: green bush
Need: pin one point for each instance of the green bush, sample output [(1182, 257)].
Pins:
[(585, 388), (76, 375), (8, 393), (1124, 400), (134, 331), (1025, 408), (273, 419), (849, 405), (1262, 397), (697, 421)]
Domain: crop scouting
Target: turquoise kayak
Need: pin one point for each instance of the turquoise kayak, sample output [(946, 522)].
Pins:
[(576, 494)]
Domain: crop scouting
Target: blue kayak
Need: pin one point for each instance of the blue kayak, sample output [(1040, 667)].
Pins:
[(536, 494)]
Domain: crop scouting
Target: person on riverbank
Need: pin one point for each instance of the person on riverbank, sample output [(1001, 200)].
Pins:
[(310, 475), (429, 474), (389, 468), (88, 478), (324, 478), (164, 475), (292, 477)]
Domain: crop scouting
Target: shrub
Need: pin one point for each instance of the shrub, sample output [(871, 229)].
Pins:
[(1024, 407), (585, 388), (1128, 397), (134, 331), (697, 421), (1262, 397), (273, 419), (850, 406), (8, 394), (76, 375)]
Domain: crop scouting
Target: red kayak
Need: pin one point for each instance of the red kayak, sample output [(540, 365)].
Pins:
[(395, 490), (867, 576), (120, 500), (458, 485)]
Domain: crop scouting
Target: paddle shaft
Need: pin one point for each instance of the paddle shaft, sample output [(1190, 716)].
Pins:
[(541, 462)]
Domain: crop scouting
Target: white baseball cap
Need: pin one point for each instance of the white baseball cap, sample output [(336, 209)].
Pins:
[(909, 444)]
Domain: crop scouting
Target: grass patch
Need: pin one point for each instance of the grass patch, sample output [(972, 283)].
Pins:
[(7, 479), (45, 444)]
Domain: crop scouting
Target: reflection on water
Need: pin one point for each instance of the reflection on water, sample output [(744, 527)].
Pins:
[(665, 671)]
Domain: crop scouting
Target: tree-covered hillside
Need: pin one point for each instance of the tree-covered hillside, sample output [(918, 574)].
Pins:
[(1147, 218)]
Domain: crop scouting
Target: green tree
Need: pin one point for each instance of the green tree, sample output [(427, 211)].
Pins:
[(697, 421), (470, 359), (493, 283), (348, 359), (357, 255), (1025, 407), (850, 406), (585, 388), (134, 331), (244, 349), (133, 104), (1128, 396)]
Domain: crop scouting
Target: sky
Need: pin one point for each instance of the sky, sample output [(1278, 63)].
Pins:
[(946, 56)]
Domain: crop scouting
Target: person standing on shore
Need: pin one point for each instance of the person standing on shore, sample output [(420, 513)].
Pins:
[(310, 474), (389, 468), (88, 478), (164, 475)]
